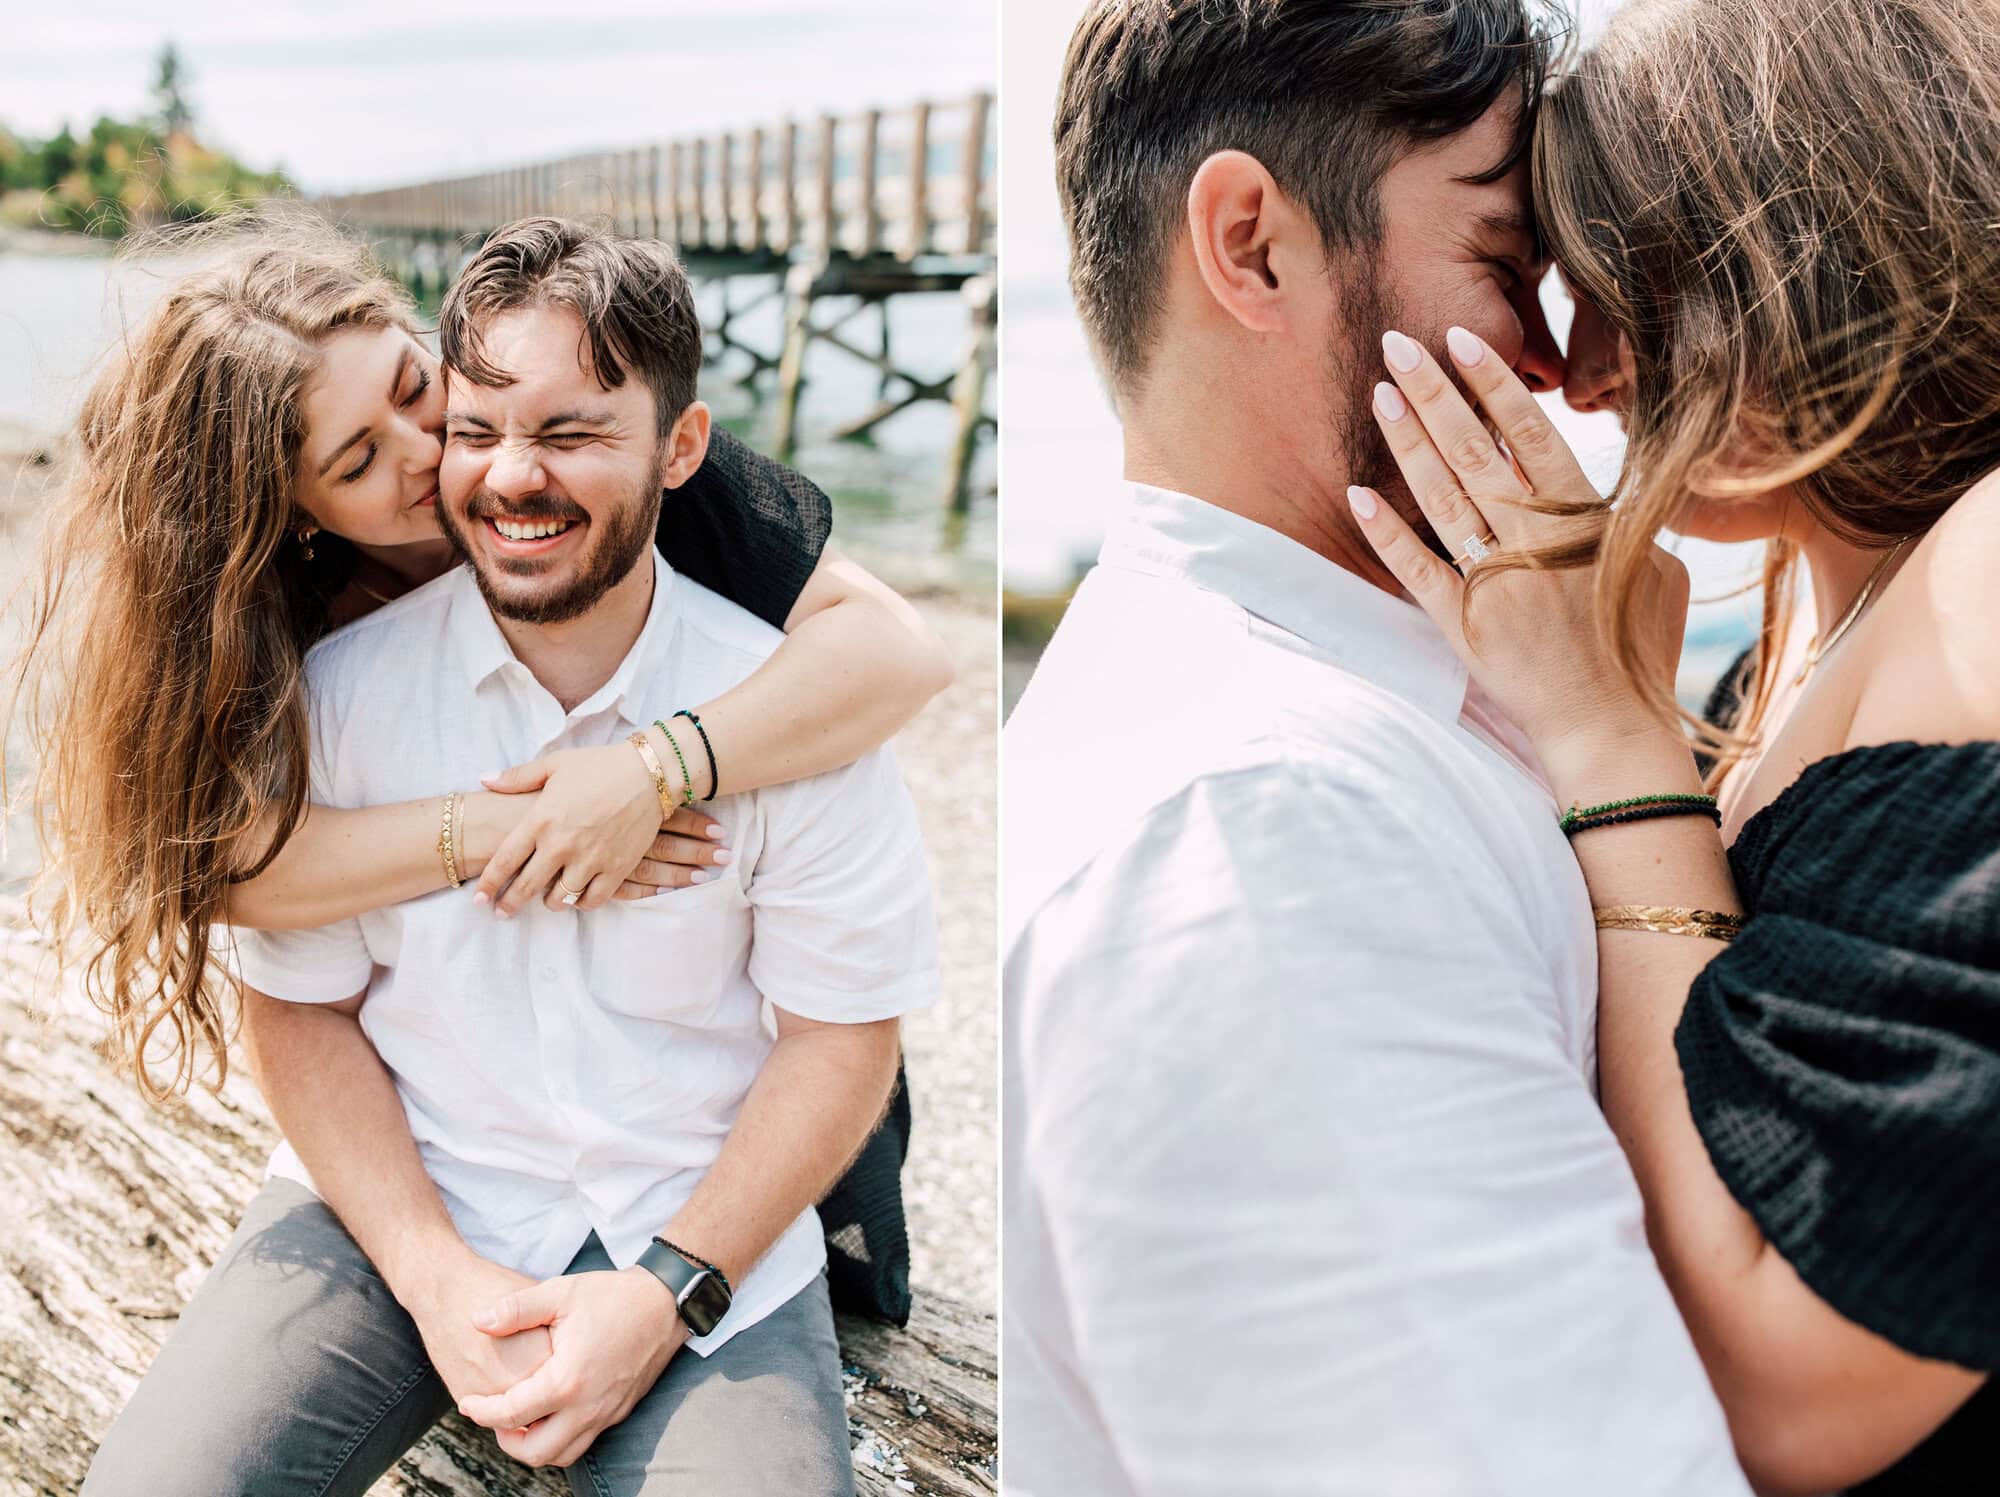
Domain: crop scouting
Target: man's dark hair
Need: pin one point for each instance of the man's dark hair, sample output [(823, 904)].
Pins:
[(632, 296), (1325, 93)]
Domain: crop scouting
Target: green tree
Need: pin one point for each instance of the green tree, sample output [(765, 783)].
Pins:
[(170, 103)]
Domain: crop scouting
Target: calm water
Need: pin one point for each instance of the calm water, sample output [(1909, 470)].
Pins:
[(60, 313)]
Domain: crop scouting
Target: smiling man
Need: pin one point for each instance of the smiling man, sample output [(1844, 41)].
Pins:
[(562, 1171), (1307, 1190)]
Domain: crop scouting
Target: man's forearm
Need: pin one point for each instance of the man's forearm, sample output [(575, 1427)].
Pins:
[(337, 1105), (819, 1095)]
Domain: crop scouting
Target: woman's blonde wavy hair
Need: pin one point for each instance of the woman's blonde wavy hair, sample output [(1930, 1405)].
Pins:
[(163, 681), (1791, 209)]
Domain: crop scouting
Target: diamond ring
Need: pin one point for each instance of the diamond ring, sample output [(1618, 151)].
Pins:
[(570, 896), (1478, 548)]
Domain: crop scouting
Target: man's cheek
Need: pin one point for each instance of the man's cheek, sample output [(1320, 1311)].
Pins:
[(458, 473)]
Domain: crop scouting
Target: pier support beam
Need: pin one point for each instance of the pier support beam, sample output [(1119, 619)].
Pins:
[(968, 395)]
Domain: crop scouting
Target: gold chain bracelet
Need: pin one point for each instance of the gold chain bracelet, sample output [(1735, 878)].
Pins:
[(1670, 920), (448, 838)]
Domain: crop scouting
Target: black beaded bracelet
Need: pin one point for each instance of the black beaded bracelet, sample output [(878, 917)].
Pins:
[(695, 1258), (714, 778), (1642, 813)]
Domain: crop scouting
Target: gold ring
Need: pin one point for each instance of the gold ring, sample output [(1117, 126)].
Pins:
[(570, 896)]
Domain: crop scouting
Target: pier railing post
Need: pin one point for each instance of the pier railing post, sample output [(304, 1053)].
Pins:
[(920, 188), (653, 190), (788, 167), (973, 172), (677, 219), (756, 241), (871, 207), (829, 209)]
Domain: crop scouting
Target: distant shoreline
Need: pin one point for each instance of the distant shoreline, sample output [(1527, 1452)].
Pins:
[(18, 240)]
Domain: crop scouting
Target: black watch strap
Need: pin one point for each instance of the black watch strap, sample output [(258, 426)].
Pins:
[(701, 1293)]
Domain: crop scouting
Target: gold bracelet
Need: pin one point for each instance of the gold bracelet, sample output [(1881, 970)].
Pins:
[(458, 833), (447, 843), (640, 742), (1670, 920)]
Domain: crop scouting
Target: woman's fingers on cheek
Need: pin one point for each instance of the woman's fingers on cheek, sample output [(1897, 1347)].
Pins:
[(1412, 563)]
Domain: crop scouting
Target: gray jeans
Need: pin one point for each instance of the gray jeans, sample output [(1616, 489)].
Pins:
[(294, 1371)]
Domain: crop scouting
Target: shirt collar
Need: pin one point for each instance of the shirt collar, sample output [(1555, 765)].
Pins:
[(1383, 639), (483, 650)]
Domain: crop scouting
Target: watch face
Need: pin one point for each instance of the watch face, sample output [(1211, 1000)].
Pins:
[(706, 1303)]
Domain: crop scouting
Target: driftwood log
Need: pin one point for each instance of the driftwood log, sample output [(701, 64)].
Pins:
[(111, 1212)]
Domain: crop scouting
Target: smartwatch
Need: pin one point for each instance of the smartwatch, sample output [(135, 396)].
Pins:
[(701, 1293)]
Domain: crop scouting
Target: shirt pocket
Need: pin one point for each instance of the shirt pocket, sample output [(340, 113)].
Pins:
[(674, 957)]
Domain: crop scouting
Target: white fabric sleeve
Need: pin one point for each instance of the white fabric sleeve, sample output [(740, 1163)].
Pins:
[(844, 931), (328, 963), (1327, 1206), (321, 965)]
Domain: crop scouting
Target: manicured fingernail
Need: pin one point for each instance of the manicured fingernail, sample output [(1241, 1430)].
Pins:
[(1389, 402), (715, 830), (486, 1320), (722, 855), (700, 876), (1362, 500), (1465, 348), (481, 900), (1402, 354)]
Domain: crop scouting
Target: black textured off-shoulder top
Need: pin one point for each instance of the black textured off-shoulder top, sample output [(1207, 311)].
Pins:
[(746, 527), (1842, 1059)]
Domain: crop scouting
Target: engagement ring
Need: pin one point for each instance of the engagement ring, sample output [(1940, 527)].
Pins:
[(1478, 548)]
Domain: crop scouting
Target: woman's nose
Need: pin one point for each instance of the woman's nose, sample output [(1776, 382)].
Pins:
[(1541, 365), (1593, 385)]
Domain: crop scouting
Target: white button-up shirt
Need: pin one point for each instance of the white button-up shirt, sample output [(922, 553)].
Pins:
[(565, 1073), (1306, 1188)]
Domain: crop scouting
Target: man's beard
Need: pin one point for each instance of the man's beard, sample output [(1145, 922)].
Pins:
[(1368, 309), (622, 534)]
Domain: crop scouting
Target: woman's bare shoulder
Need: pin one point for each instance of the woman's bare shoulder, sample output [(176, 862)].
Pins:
[(1936, 673)]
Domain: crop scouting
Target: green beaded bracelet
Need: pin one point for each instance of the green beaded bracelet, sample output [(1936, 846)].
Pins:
[(1574, 816), (687, 780)]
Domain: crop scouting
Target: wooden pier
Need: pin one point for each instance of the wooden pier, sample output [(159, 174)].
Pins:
[(856, 209)]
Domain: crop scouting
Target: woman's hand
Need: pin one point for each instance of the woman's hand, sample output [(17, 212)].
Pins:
[(1529, 636), (594, 827)]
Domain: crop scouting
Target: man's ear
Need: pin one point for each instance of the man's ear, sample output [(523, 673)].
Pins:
[(1249, 239), (687, 445)]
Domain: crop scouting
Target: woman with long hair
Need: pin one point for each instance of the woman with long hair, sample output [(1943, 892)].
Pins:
[(1777, 217), (257, 466)]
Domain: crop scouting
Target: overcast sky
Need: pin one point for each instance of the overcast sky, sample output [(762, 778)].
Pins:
[(382, 91)]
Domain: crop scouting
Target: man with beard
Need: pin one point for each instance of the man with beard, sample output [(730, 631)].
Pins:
[(561, 1172), (1306, 1190)]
